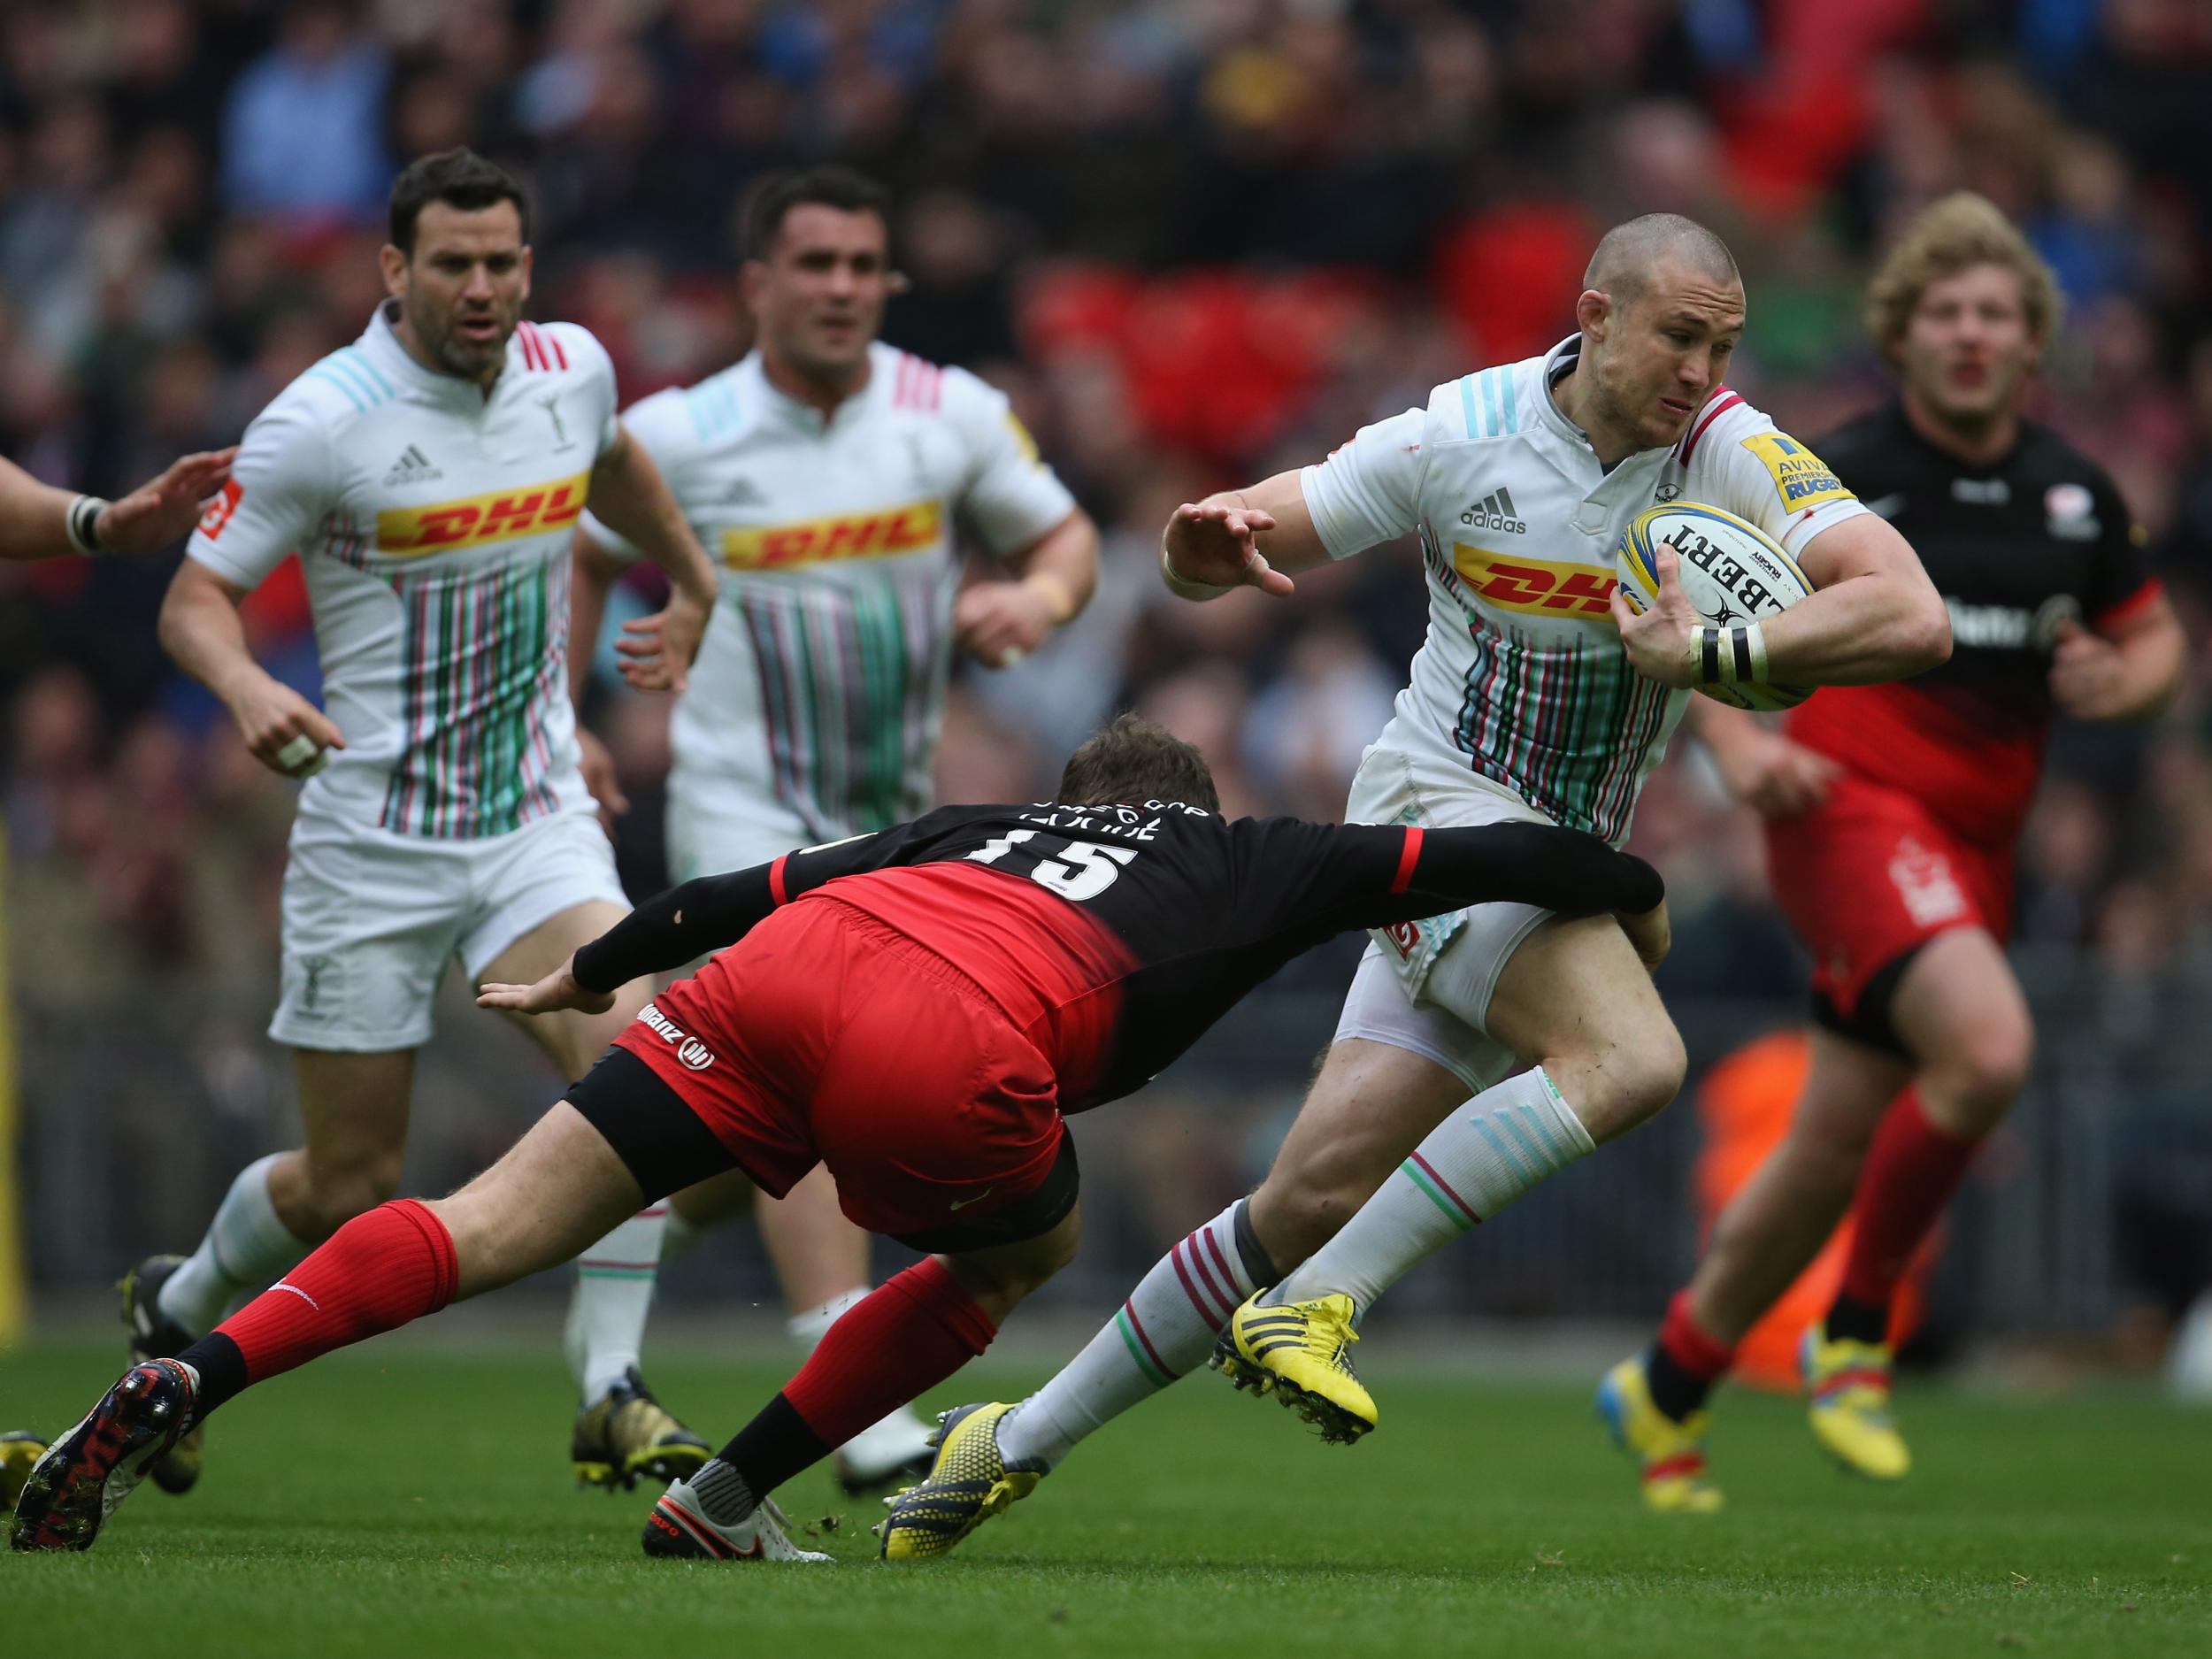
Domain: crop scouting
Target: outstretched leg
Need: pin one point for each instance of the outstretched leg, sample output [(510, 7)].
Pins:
[(907, 1336), (559, 1187)]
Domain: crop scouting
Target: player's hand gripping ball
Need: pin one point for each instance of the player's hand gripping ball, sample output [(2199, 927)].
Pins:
[(1730, 571)]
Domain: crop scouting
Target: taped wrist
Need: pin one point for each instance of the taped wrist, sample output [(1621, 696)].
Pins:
[(1729, 655)]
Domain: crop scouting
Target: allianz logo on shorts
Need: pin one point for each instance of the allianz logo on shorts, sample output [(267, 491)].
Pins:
[(690, 1050)]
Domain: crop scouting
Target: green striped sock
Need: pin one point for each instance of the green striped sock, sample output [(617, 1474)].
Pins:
[(1473, 1164)]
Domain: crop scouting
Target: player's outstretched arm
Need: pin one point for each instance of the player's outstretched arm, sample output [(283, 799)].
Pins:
[(685, 922), (703, 916), (1562, 870), (1240, 538), (557, 992), (629, 496), (201, 630), (38, 521)]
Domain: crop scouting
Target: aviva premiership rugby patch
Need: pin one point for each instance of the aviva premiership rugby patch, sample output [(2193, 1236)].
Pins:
[(1801, 478)]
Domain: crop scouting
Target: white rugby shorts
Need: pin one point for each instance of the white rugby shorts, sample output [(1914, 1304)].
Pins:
[(1426, 986), (371, 919)]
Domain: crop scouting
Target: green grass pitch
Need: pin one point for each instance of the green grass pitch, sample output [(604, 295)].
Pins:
[(411, 1503)]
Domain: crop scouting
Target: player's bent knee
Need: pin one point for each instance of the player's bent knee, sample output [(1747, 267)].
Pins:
[(1977, 1084), (1004, 1274), (337, 1194), (1630, 1083)]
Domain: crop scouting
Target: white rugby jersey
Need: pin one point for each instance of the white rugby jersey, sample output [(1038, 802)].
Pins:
[(433, 522), (821, 684), (1521, 677)]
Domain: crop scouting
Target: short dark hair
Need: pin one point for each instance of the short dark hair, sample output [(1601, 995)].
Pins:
[(825, 184), (1135, 760), (461, 179)]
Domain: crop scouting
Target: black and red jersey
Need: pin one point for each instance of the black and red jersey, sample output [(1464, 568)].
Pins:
[(1114, 936), (2015, 548)]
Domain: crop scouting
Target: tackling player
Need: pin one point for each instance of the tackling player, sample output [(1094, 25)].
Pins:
[(1537, 698), (430, 477), (915, 1009), (38, 521), (827, 470), (1892, 816)]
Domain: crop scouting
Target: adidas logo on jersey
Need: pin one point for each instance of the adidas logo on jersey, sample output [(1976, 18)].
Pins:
[(1494, 511), (413, 467)]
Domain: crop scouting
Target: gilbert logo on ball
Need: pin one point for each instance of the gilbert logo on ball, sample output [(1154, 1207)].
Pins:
[(1730, 571)]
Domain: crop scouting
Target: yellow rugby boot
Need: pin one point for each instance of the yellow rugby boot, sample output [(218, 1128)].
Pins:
[(1301, 1354), (20, 1449), (1671, 1455), (1849, 1383), (970, 1482), (626, 1433)]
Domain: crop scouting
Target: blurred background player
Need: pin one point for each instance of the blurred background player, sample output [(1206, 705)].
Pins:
[(38, 521), (827, 473), (430, 477), (1518, 709), (1892, 814)]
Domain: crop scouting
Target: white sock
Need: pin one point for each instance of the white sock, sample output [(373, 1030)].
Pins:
[(614, 1291), (1474, 1163), (246, 1248), (808, 1328), (1165, 1329)]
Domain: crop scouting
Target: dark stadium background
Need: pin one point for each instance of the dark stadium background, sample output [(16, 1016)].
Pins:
[(1195, 242)]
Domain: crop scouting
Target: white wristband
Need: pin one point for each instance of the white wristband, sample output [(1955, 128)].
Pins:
[(82, 523), (1728, 657), (1755, 648)]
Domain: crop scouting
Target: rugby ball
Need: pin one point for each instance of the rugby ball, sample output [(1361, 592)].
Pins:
[(1730, 571)]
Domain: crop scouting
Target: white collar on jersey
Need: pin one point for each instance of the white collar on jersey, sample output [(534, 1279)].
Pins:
[(807, 417), (381, 340), (1559, 362)]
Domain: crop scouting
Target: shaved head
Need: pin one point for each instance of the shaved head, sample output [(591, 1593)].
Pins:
[(1629, 254), (1661, 311)]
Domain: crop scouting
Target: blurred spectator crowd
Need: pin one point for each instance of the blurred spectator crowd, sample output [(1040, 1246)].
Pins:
[(1197, 240)]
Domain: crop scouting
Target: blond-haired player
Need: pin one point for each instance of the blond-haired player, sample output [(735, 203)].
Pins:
[(1891, 814)]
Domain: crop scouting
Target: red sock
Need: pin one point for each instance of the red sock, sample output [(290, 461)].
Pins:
[(911, 1333), (1684, 1362), (374, 1274), (1911, 1171), (1690, 1346)]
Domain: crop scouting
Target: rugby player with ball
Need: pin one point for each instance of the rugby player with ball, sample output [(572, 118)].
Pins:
[(1481, 1051)]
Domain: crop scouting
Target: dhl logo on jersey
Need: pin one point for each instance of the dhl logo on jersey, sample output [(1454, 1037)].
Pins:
[(502, 515), (1536, 588), (859, 536), (1801, 477)]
